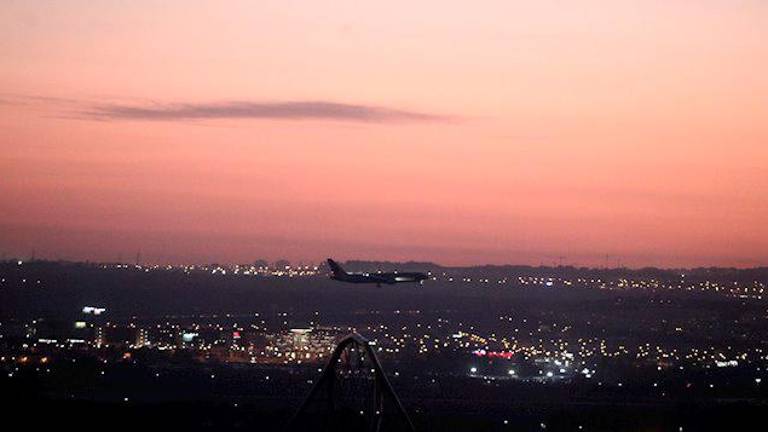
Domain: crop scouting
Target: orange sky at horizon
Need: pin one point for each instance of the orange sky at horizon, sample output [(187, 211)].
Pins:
[(512, 132)]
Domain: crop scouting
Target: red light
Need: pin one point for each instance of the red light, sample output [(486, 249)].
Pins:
[(493, 354)]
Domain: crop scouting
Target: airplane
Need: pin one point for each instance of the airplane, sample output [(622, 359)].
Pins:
[(378, 278)]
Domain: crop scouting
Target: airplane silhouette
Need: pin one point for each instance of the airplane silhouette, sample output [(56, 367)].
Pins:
[(378, 278)]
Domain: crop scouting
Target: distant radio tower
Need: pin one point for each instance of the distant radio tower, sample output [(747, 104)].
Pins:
[(138, 258)]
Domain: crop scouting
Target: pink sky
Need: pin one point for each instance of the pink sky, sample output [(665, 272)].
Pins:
[(492, 132)]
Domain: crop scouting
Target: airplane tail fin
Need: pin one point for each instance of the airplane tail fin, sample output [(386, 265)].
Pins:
[(336, 268)]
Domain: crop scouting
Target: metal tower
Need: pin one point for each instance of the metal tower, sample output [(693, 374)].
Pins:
[(352, 394)]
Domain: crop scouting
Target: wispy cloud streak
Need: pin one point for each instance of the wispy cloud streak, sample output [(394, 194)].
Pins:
[(296, 110)]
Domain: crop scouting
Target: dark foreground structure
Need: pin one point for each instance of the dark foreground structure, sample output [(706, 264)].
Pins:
[(352, 394)]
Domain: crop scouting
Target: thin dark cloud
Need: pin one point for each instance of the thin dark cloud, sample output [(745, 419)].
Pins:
[(296, 110), (25, 99)]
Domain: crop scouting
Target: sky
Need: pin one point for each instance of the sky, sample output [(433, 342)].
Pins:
[(531, 132)]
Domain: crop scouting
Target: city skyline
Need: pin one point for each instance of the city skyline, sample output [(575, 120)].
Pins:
[(514, 133)]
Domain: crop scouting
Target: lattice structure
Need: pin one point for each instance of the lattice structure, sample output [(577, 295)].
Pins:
[(352, 394)]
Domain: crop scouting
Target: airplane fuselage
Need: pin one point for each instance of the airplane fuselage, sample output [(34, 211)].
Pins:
[(380, 278)]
